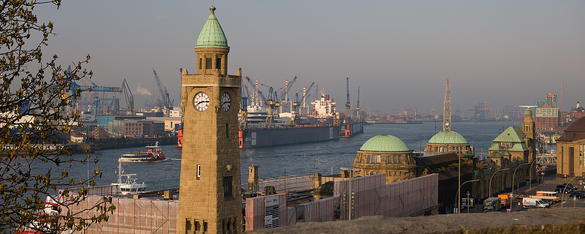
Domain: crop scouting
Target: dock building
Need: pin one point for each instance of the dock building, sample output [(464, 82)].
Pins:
[(571, 151)]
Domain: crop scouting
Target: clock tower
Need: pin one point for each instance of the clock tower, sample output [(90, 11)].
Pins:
[(209, 195)]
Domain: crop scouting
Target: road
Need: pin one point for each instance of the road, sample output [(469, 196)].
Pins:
[(550, 183)]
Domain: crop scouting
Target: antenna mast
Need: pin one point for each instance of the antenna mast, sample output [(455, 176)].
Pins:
[(447, 107)]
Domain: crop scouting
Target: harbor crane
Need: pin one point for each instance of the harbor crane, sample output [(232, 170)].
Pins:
[(285, 94), (357, 108), (305, 96), (95, 88), (164, 95), (129, 98), (348, 104)]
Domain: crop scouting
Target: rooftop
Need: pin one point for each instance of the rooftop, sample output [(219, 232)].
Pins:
[(212, 35)]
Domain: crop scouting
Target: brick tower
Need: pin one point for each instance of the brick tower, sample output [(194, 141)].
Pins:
[(528, 127), (209, 196)]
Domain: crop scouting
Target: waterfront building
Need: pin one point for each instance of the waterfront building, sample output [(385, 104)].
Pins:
[(547, 115), (576, 113), (385, 154), (570, 151), (210, 194), (449, 141), (511, 157), (510, 145)]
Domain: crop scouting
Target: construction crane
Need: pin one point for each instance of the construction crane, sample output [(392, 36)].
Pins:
[(95, 88), (305, 96), (271, 104), (164, 96), (357, 108), (286, 99), (348, 104), (129, 98)]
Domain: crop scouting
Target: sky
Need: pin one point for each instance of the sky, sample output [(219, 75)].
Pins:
[(400, 53)]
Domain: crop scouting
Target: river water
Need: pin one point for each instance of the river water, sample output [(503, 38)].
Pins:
[(297, 160)]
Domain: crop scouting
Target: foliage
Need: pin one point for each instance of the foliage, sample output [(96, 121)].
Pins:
[(36, 110)]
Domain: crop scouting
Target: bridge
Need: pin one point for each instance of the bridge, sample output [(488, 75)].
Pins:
[(546, 159)]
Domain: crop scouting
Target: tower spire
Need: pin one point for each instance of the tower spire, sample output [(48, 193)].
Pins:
[(447, 107)]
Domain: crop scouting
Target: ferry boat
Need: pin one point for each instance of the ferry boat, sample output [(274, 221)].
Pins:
[(128, 186), (153, 153)]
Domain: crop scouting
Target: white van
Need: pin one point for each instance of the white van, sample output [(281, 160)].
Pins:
[(529, 202)]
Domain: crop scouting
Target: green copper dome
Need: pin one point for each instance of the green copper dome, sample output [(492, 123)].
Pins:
[(528, 111), (212, 35), (384, 143), (447, 137)]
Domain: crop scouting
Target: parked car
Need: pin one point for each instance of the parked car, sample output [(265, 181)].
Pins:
[(570, 186), (521, 194), (578, 194), (562, 189)]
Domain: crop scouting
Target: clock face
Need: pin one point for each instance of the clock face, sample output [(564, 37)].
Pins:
[(201, 101), (225, 102)]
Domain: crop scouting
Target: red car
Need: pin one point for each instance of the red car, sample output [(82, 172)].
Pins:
[(521, 194)]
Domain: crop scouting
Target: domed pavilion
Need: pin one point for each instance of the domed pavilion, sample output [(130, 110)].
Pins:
[(449, 141), (385, 154)]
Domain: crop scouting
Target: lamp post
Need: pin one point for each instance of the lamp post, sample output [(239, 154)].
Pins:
[(457, 197), (490, 185), (467, 201), (531, 166), (351, 170), (565, 189), (513, 185)]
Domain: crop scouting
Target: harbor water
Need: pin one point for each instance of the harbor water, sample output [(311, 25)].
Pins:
[(292, 160)]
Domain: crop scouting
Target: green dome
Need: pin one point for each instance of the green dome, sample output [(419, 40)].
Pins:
[(384, 143), (212, 35), (447, 137), (528, 111)]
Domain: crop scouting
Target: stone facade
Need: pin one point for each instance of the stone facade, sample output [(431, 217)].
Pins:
[(210, 194), (571, 151), (397, 166)]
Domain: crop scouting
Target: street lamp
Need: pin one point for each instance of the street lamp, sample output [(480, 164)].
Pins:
[(513, 185), (565, 189), (490, 185), (531, 166), (457, 197), (468, 201), (351, 170)]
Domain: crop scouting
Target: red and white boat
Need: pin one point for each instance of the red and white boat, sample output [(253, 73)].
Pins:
[(153, 153)]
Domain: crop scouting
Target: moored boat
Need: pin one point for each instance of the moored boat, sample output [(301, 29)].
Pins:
[(153, 153), (128, 186)]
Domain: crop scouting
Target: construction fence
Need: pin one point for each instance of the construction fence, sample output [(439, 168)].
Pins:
[(285, 185), (130, 215), (371, 196), (366, 196)]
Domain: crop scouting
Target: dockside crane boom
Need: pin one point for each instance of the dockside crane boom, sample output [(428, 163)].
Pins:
[(348, 104), (305, 96), (164, 96), (129, 98), (357, 108)]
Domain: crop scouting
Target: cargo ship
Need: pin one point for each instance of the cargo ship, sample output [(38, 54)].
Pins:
[(259, 129)]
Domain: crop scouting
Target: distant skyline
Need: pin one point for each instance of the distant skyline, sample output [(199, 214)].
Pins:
[(400, 53)]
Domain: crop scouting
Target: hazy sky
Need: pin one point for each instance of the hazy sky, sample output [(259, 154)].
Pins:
[(399, 52)]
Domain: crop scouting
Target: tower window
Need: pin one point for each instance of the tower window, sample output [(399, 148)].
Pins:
[(208, 63), (198, 172), (218, 63), (227, 187), (200, 63)]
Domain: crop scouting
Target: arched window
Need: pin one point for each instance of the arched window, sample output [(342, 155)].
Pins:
[(378, 159), (368, 159)]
